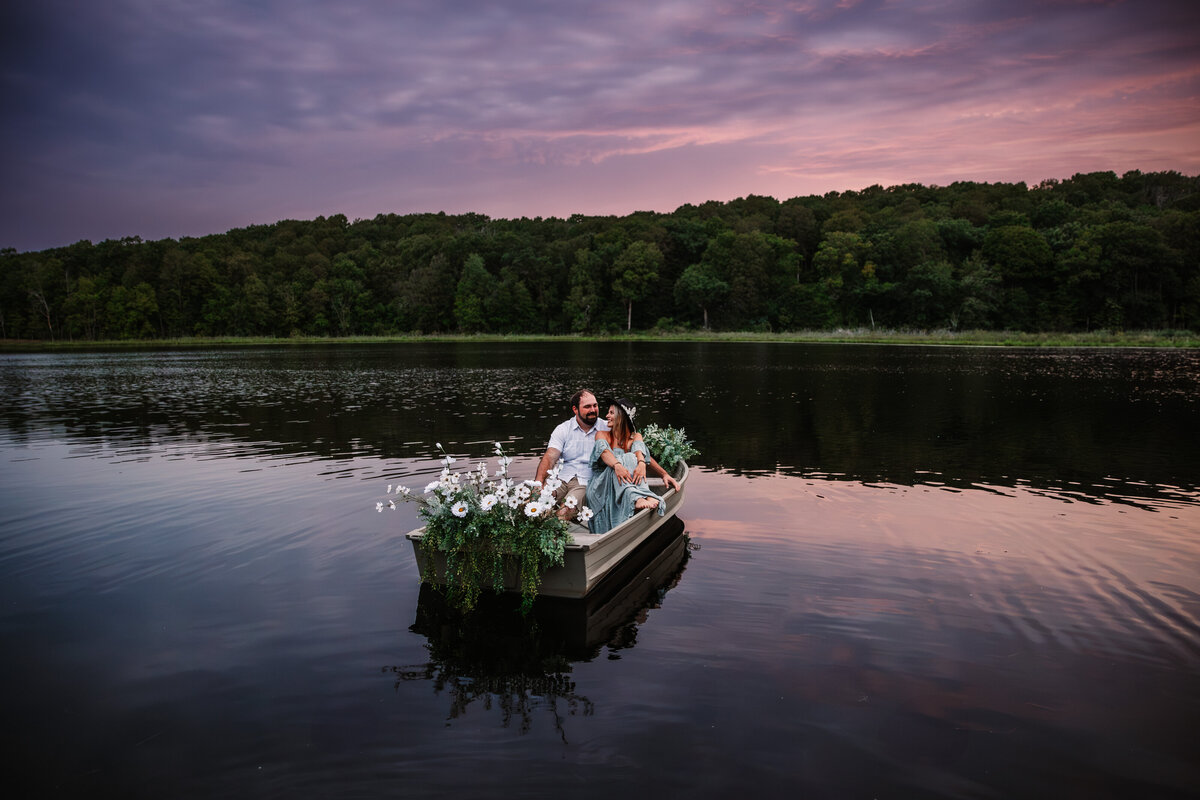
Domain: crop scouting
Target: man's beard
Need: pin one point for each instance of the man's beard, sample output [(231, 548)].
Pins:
[(589, 418)]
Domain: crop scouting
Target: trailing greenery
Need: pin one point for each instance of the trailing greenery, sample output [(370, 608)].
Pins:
[(668, 445), (481, 528), (1092, 252)]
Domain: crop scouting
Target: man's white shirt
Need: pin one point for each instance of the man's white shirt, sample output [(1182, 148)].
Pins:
[(576, 447)]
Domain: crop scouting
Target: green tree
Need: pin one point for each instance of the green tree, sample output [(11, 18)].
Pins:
[(798, 223), (44, 291), (511, 308), (808, 306), (960, 238), (842, 267), (979, 288), (131, 312), (85, 308), (348, 298), (582, 294), (255, 306), (930, 290), (475, 288), (427, 296), (1020, 253), (634, 274), (758, 267), (700, 286)]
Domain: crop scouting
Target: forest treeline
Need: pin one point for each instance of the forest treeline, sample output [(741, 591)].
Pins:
[(1096, 251)]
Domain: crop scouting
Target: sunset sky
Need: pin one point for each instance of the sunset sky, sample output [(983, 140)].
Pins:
[(162, 118)]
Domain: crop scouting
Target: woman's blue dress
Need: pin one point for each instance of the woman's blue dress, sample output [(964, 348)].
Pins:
[(610, 500)]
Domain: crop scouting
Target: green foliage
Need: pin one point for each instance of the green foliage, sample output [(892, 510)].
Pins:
[(634, 273), (582, 297), (1091, 251), (668, 445), (808, 306), (476, 287), (1020, 253), (700, 287), (481, 529)]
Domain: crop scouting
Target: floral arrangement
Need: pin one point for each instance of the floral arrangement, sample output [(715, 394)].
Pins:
[(668, 445), (480, 524)]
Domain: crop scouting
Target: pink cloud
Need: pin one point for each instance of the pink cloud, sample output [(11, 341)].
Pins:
[(170, 117)]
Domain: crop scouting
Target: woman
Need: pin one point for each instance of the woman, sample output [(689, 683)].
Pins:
[(618, 488)]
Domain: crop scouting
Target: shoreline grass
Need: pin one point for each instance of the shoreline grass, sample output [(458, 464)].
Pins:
[(977, 338)]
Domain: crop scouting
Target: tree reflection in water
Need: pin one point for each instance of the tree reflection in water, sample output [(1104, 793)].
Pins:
[(498, 658)]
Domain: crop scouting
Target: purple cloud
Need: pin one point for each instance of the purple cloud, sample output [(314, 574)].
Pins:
[(167, 118)]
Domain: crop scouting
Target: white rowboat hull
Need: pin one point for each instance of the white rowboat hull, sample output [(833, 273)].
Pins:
[(590, 556)]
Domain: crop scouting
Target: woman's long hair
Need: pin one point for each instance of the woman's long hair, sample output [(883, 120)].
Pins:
[(623, 431)]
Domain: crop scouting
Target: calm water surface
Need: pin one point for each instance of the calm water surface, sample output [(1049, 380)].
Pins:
[(899, 572)]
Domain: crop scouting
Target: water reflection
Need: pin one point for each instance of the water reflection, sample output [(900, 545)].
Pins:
[(926, 572), (1108, 425), (494, 656)]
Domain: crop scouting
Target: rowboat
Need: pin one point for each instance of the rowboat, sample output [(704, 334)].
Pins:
[(590, 556), (566, 628), (525, 660)]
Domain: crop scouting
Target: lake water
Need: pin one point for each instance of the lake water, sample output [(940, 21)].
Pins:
[(899, 572)]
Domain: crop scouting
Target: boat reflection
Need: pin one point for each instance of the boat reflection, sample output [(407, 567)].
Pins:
[(495, 657)]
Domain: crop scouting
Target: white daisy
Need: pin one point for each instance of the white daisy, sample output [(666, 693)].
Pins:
[(533, 509), (584, 515), (571, 501), (459, 509), (488, 501)]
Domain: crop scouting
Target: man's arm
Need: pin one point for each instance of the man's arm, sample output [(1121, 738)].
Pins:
[(548, 461), (666, 476)]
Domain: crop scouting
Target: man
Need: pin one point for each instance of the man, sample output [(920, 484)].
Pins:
[(572, 441)]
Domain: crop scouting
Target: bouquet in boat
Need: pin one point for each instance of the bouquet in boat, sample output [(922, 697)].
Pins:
[(482, 525)]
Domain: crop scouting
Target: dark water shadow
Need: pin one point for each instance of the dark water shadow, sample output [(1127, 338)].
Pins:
[(495, 657), (1094, 426)]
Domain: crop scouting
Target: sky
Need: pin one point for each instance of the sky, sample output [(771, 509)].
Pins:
[(170, 118)]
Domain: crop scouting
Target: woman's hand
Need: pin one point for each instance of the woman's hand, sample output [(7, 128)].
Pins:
[(622, 473), (639, 472)]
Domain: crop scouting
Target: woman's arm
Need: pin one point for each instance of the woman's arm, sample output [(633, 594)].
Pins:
[(610, 460), (641, 453)]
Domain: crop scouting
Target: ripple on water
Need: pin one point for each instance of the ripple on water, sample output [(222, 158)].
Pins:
[(856, 558)]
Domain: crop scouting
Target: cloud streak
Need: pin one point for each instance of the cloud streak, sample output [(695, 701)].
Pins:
[(166, 118)]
